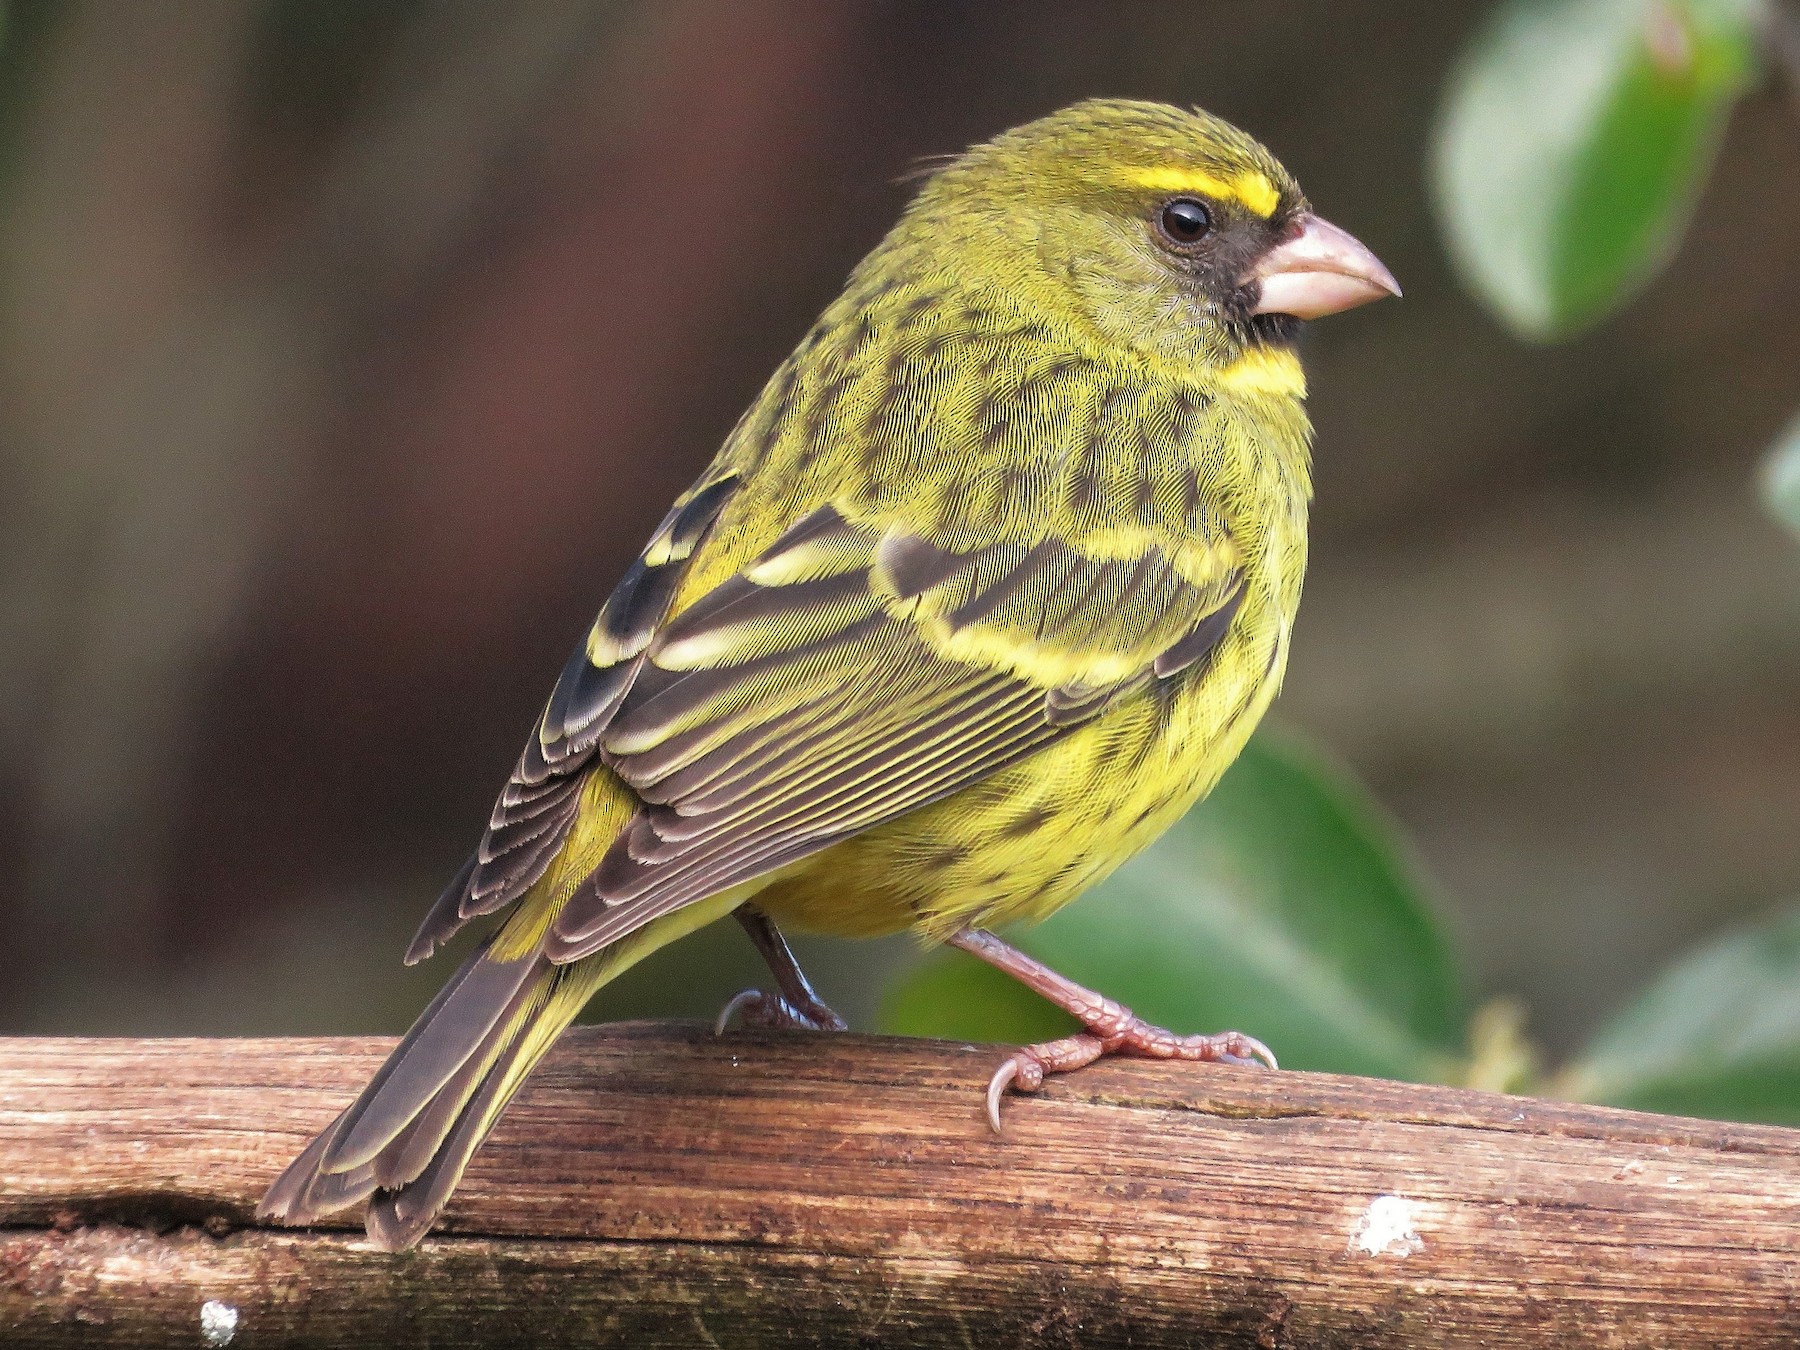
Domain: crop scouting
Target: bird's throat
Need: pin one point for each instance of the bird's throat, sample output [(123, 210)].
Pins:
[(1264, 370)]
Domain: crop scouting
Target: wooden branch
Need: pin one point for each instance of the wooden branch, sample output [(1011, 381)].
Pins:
[(654, 1186)]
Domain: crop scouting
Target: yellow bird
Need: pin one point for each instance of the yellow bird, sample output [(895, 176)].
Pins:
[(988, 586)]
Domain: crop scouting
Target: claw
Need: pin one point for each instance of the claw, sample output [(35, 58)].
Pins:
[(739, 1001), (1258, 1052), (1003, 1078), (1023, 1071)]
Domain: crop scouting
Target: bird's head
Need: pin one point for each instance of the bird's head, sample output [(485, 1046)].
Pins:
[(1167, 230)]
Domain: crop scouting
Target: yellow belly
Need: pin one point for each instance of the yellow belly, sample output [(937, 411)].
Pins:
[(1022, 843)]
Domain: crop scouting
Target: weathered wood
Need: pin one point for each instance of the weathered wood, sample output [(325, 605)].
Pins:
[(654, 1186)]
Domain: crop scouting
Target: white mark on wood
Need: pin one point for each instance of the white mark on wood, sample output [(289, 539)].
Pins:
[(1386, 1228), (218, 1322)]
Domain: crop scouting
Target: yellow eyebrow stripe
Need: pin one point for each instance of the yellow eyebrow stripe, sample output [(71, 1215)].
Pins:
[(1250, 187)]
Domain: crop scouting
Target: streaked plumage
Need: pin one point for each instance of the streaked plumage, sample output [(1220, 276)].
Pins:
[(987, 587)]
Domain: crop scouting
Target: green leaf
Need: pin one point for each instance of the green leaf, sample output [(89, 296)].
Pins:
[(1573, 143), (1781, 477), (1717, 1034), (1282, 905)]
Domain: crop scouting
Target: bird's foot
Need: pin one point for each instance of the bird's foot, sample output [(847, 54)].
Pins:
[(1113, 1029), (1108, 1027), (756, 1008), (797, 1006)]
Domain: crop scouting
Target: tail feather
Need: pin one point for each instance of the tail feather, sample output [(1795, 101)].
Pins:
[(399, 1216), (443, 1041), (406, 1140), (403, 1144), (412, 1149), (317, 1182), (305, 1189)]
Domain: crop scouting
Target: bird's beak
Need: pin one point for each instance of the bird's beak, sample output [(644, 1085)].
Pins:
[(1319, 270)]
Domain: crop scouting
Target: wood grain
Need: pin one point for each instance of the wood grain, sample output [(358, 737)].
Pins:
[(654, 1186)]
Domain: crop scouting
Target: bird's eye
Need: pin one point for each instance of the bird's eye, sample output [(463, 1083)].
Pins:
[(1184, 221)]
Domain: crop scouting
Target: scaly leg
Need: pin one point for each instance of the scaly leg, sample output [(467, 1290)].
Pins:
[(797, 1005), (1111, 1028)]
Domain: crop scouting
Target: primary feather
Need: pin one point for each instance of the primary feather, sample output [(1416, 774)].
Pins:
[(987, 587)]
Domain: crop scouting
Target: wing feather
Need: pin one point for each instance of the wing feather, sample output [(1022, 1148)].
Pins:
[(532, 816), (776, 715)]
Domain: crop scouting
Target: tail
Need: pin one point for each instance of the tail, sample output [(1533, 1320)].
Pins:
[(403, 1144)]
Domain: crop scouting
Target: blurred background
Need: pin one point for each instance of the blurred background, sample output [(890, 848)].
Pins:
[(351, 349)]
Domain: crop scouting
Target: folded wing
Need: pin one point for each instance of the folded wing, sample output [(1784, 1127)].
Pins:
[(856, 671)]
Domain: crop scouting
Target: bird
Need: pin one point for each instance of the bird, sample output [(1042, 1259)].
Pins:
[(986, 588)]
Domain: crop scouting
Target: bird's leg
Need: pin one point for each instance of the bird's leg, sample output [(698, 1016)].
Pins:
[(797, 1005), (1110, 1028)]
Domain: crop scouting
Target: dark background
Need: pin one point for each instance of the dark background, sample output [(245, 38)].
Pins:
[(351, 349)]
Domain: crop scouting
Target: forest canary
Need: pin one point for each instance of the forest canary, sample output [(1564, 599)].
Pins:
[(988, 586)]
